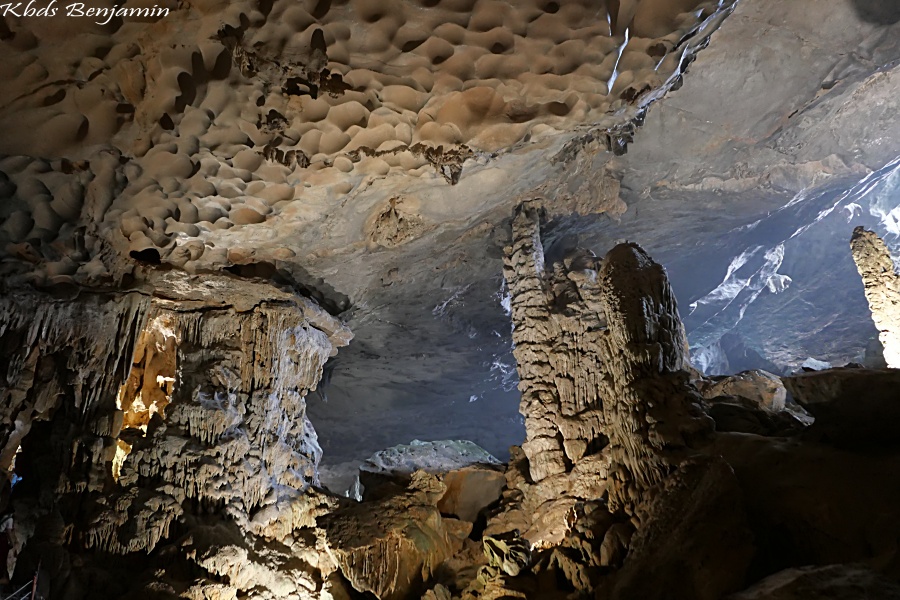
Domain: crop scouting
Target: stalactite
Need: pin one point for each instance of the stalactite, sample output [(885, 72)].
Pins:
[(210, 407)]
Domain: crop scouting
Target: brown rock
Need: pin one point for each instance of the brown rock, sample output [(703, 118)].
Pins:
[(852, 407), (834, 582), (760, 387), (391, 547), (694, 541), (470, 490)]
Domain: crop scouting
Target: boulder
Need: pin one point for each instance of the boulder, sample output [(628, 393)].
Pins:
[(470, 490), (397, 463), (694, 540), (743, 416), (391, 547), (760, 387), (853, 407)]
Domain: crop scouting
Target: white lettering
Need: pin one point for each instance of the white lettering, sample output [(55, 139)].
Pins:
[(111, 12), (47, 11), (9, 9), (75, 10)]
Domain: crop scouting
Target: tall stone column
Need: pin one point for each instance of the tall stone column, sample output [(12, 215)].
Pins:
[(602, 362), (882, 287), (557, 325), (651, 410)]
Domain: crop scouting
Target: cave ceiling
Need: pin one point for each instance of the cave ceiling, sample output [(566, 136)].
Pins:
[(370, 154)]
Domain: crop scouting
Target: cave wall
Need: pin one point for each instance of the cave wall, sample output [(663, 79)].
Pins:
[(137, 414)]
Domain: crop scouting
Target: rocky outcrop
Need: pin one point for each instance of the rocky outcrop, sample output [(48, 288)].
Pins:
[(882, 286), (139, 413), (840, 582), (392, 547), (752, 402), (63, 364), (678, 510), (852, 407), (763, 389), (398, 463), (555, 349)]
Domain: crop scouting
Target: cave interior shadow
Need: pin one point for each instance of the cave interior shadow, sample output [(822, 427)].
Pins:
[(879, 12)]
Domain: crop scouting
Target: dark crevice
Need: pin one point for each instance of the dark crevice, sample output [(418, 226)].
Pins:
[(148, 256), (296, 280)]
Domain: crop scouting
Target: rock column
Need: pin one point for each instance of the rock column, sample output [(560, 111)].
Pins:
[(556, 331), (602, 361), (882, 286), (651, 410)]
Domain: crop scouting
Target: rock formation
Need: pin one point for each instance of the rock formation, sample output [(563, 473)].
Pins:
[(198, 205), (609, 411), (671, 487), (882, 285), (162, 434), (597, 343), (131, 415)]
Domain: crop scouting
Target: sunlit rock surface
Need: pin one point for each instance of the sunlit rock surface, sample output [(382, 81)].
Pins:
[(882, 284)]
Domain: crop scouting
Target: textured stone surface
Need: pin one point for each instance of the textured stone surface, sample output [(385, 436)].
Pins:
[(652, 411), (852, 407), (368, 158), (392, 547), (784, 482), (398, 463), (764, 389), (882, 284), (838, 582), (139, 414), (694, 540)]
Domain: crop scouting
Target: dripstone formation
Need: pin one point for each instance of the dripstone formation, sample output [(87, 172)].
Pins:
[(161, 449), (135, 417), (196, 209), (882, 284)]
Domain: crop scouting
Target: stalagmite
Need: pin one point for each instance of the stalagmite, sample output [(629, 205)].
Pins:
[(609, 410), (602, 360), (652, 412), (882, 285), (555, 335)]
